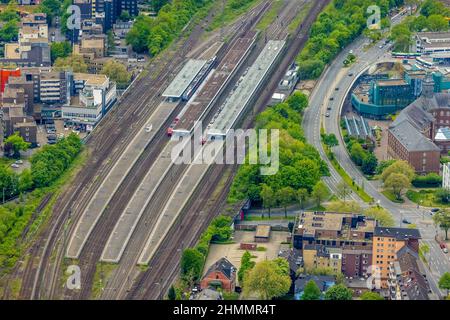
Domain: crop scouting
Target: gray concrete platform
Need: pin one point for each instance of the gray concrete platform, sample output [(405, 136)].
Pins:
[(109, 186), (130, 217), (178, 199)]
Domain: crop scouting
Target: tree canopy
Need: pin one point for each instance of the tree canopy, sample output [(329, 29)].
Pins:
[(311, 291), (116, 72), (267, 279), (338, 292), (300, 166)]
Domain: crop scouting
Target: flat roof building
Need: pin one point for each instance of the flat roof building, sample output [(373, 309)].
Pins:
[(262, 233), (183, 79), (249, 83)]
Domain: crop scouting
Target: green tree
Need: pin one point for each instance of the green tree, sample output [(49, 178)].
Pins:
[(343, 190), (338, 292), (368, 295), (158, 4), (396, 183), (9, 31), (117, 72), (320, 192), (442, 219), (246, 265), (311, 291), (297, 101), (60, 50), (442, 195), (399, 166), (444, 282), (25, 180), (16, 143), (285, 196), (381, 215), (357, 153), (124, 16), (369, 164), (302, 197), (171, 295), (437, 22), (266, 280), (424, 250), (192, 263), (110, 41), (310, 69), (10, 12), (330, 140), (73, 62), (268, 197), (52, 8)]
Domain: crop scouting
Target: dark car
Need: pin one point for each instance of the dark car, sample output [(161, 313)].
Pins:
[(331, 99), (434, 210), (406, 221)]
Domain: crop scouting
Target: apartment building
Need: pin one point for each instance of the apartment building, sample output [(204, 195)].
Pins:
[(14, 120), (387, 242), (407, 280), (319, 256), (350, 233)]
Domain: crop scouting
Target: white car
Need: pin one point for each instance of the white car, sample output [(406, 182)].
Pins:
[(148, 128), (19, 162), (15, 165)]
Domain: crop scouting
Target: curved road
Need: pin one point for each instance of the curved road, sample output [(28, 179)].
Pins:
[(337, 76)]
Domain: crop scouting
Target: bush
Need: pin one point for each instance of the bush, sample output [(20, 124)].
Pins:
[(431, 180)]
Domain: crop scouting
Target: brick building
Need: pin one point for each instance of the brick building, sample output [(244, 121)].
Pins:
[(417, 135), (222, 274)]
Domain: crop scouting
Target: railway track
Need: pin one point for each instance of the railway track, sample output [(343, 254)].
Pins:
[(100, 143), (107, 142), (155, 282), (88, 268)]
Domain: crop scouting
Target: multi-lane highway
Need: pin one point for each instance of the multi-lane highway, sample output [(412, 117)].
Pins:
[(336, 76)]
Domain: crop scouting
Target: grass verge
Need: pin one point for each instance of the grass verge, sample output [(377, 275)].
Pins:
[(388, 194), (230, 13), (425, 198), (270, 15), (295, 23), (102, 272)]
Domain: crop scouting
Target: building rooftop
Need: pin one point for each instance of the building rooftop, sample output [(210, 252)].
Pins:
[(224, 266), (392, 82), (179, 85), (247, 85), (414, 285), (91, 79), (434, 35), (411, 138), (262, 231), (310, 222), (12, 51), (323, 282), (397, 233)]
